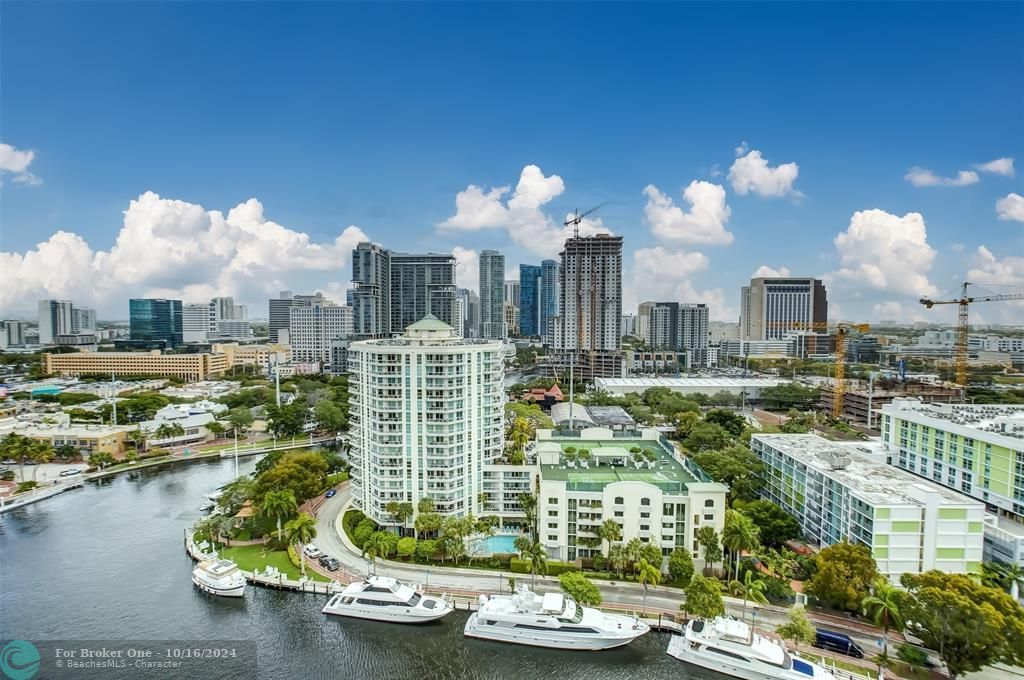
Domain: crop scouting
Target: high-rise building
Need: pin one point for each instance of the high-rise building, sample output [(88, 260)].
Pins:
[(313, 328), (529, 300), (548, 298), (393, 290), (512, 294), (83, 320), (472, 315), (492, 295), (155, 322), (681, 327), (12, 333), (770, 308), (280, 310), (218, 318), (512, 319), (426, 417), (590, 304), (56, 317)]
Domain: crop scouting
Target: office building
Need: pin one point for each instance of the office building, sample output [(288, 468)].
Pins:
[(12, 333), (662, 499), (745, 388), (975, 449), (720, 331), (492, 295), (529, 300), (772, 307), (472, 314), (512, 294), (262, 356), (548, 298), (56, 317), (512, 320), (189, 367), (426, 415), (280, 311), (313, 329), (589, 332), (675, 326), (393, 290), (629, 325), (837, 494), (83, 320), (156, 322)]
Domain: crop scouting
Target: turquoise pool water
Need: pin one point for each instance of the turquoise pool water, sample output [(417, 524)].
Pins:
[(47, 390), (495, 544)]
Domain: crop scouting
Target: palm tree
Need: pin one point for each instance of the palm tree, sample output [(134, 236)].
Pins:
[(1015, 574), (634, 550), (529, 504), (400, 511), (740, 534), (425, 505), (522, 544), (610, 531), (17, 447), (376, 546), (301, 531), (139, 438), (751, 588), (520, 435), (40, 452), (537, 556), (883, 606), (280, 505), (647, 573), (617, 558)]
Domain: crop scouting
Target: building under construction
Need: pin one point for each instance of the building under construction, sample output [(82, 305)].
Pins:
[(588, 331), (859, 396)]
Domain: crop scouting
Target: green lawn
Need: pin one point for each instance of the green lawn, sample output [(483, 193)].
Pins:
[(252, 557)]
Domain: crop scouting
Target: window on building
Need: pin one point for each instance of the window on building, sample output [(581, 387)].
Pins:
[(553, 501), (709, 503), (618, 500), (645, 501)]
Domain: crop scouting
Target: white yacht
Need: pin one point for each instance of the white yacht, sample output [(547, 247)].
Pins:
[(551, 620), (731, 648), (219, 577), (385, 599)]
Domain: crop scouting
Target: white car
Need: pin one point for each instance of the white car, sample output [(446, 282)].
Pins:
[(312, 551), (70, 472)]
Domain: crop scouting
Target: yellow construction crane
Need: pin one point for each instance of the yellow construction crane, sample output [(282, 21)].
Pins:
[(840, 388), (962, 326), (842, 329)]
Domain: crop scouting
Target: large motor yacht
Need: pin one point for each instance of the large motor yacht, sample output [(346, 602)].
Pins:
[(551, 620), (731, 648), (385, 599), (219, 577)]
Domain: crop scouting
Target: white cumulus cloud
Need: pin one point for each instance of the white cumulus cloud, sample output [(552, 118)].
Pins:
[(1000, 166), (16, 163), (666, 275), (921, 177), (766, 272), (522, 214), (751, 173), (1011, 207), (467, 268), (703, 223), (987, 268), (888, 310), (886, 252), (172, 248)]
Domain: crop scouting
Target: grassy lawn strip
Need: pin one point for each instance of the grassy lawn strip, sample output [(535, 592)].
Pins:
[(252, 557)]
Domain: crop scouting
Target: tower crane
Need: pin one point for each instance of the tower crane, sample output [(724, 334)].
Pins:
[(577, 218), (964, 302), (575, 221)]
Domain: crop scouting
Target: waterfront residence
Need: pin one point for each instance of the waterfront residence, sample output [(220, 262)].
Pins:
[(426, 415), (655, 494), (837, 494)]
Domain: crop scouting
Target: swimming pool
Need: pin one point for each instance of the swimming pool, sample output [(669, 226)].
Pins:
[(495, 544)]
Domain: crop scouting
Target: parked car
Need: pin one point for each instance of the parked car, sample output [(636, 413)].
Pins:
[(330, 493), (70, 472), (312, 551), (332, 564), (323, 560), (837, 642)]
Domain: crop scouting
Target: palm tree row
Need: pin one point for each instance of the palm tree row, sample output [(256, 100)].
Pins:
[(26, 449)]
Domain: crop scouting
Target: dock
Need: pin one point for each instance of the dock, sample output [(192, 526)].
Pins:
[(39, 494)]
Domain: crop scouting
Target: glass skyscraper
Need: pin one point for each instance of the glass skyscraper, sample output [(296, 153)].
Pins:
[(548, 295), (156, 322), (529, 300)]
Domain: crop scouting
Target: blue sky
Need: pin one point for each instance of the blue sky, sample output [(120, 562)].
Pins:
[(376, 116)]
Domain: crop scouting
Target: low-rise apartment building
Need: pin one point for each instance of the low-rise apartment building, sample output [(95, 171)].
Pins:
[(911, 525), (185, 366)]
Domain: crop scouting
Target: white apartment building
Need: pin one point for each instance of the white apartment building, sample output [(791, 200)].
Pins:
[(426, 416), (911, 525), (313, 329), (218, 318), (56, 317), (12, 333)]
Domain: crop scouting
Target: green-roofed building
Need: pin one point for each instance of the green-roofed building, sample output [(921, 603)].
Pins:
[(636, 478)]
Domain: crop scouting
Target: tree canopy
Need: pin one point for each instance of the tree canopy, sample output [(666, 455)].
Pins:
[(775, 525), (846, 572)]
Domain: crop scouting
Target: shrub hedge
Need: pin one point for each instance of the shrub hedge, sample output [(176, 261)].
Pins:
[(519, 566)]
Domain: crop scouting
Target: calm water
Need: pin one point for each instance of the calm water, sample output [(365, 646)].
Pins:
[(107, 561)]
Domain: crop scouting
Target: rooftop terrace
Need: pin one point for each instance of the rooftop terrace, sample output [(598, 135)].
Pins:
[(999, 419), (612, 462)]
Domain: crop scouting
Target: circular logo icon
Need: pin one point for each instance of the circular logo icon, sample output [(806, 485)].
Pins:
[(19, 660)]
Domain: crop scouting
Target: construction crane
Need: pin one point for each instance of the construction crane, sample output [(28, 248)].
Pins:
[(840, 389), (577, 218), (962, 326), (842, 329)]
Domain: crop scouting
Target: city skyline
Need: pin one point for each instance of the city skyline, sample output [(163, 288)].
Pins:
[(882, 184)]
